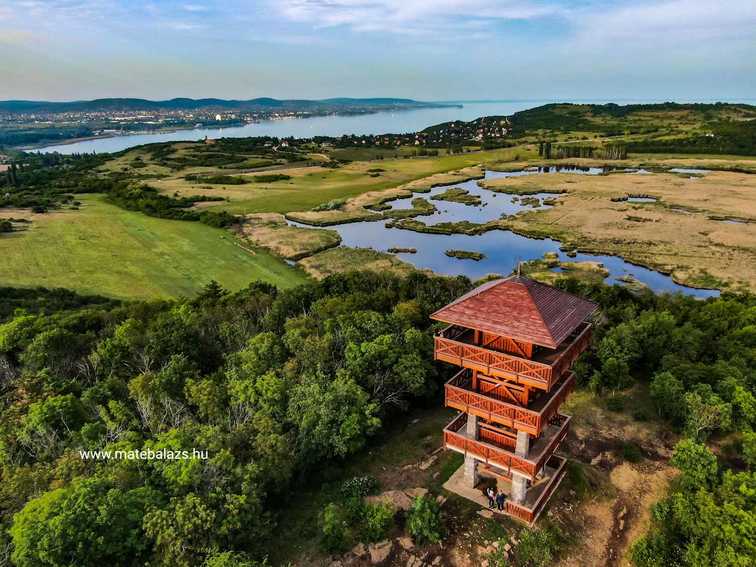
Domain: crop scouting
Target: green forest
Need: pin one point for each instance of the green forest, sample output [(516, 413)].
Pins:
[(274, 385)]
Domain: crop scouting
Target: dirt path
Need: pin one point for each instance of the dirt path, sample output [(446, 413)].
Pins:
[(610, 527), (611, 523)]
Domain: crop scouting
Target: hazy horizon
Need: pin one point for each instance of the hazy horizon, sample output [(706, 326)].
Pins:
[(443, 50), (620, 101)]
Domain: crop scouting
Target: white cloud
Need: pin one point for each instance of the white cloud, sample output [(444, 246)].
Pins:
[(194, 7), (408, 16), (681, 22), (181, 26)]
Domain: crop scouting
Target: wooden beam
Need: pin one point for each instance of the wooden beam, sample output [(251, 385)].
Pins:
[(510, 394), (488, 469), (499, 430)]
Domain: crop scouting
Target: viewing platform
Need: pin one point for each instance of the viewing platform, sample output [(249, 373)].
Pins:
[(496, 449), (493, 402), (457, 345), (535, 502), (514, 340)]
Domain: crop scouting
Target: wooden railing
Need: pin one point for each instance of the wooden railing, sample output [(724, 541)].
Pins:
[(493, 363), (550, 488), (551, 408), (530, 515), (503, 456), (486, 452), (449, 347), (575, 349), (522, 513), (496, 438), (493, 406), (553, 445)]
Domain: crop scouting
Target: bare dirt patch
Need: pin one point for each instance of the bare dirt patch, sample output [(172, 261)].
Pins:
[(609, 527), (609, 523)]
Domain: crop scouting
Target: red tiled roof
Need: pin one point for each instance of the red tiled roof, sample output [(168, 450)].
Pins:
[(519, 308)]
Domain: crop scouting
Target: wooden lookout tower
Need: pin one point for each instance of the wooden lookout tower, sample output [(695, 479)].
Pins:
[(514, 340)]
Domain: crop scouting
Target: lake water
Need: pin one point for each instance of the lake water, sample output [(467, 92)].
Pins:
[(503, 249), (332, 125), (642, 199)]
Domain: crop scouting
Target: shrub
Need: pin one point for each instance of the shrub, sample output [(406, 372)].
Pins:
[(615, 403), (697, 464), (346, 522), (332, 205), (749, 448), (217, 179), (271, 178), (359, 486), (424, 521), (376, 521), (631, 453), (499, 557), (538, 548), (652, 551), (337, 532), (233, 559), (667, 393), (578, 480)]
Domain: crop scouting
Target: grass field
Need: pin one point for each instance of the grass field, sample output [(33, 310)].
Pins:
[(106, 250), (312, 186), (362, 206)]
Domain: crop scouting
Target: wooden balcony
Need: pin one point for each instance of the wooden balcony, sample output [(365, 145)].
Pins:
[(536, 499), (494, 406), (456, 345), (498, 452)]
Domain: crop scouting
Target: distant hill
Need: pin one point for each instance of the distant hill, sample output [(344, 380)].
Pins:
[(618, 119), (263, 103)]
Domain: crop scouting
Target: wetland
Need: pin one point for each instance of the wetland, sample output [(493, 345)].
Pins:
[(497, 249)]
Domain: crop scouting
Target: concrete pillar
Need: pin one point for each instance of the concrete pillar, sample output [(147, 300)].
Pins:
[(519, 488), (471, 465), (523, 443), (520, 483), (472, 426), (471, 472)]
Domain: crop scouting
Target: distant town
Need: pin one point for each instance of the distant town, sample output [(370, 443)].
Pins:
[(29, 123)]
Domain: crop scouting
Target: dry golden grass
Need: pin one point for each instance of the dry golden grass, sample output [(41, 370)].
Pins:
[(677, 234), (343, 259), (691, 161), (25, 214), (270, 231)]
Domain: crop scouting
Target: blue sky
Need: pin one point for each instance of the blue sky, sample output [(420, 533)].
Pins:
[(423, 49)]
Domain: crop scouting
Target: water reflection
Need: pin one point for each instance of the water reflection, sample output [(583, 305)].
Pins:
[(492, 205), (503, 249)]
